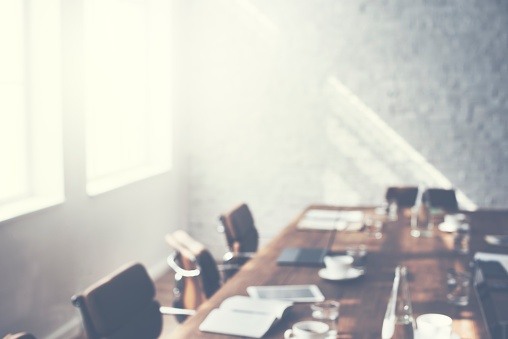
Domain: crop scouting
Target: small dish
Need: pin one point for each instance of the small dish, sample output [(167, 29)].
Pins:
[(447, 227), (351, 273)]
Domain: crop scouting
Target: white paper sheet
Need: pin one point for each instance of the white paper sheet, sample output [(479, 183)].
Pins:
[(502, 258)]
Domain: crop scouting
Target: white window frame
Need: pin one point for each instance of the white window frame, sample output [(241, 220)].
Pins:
[(42, 103)]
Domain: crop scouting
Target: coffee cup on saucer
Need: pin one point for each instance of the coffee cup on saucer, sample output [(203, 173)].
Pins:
[(308, 329), (338, 264), (434, 326), (452, 222)]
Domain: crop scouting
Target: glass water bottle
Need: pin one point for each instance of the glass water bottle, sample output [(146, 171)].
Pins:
[(399, 321)]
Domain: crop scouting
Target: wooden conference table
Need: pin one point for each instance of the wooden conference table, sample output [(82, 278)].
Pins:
[(363, 300)]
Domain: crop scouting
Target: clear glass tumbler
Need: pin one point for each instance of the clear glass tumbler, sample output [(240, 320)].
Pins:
[(328, 312), (358, 253), (373, 227), (458, 288)]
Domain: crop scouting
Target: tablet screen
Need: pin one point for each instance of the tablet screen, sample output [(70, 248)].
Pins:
[(301, 293)]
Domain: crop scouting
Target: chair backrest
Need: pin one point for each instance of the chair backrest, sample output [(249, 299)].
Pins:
[(121, 305), (240, 230), (403, 196), (441, 198), (196, 271), (20, 335)]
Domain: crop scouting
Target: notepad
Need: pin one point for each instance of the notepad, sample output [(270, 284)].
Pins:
[(244, 316)]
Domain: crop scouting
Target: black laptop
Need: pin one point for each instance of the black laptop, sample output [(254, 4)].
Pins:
[(299, 256)]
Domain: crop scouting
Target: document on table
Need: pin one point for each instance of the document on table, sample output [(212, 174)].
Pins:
[(244, 316), (499, 240), (501, 258), (322, 219)]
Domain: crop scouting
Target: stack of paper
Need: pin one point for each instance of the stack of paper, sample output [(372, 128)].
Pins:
[(501, 258), (320, 219)]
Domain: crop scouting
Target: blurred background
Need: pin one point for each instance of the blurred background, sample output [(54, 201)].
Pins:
[(275, 103)]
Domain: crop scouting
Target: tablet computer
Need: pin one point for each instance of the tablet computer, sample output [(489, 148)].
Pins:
[(298, 293)]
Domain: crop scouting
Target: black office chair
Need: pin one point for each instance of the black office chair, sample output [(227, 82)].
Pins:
[(122, 306), (402, 196), (242, 237), (197, 275), (441, 199)]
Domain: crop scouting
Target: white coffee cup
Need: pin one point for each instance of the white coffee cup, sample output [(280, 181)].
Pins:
[(308, 329), (451, 219), (434, 326), (338, 264)]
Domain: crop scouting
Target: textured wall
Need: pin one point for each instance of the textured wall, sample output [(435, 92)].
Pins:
[(294, 102)]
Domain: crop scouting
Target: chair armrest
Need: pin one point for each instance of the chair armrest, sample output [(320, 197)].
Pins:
[(78, 301), (166, 310), (239, 255), (228, 267), (179, 270), (228, 270)]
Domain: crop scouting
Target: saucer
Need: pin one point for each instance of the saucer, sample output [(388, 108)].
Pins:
[(452, 336), (351, 273), (447, 227)]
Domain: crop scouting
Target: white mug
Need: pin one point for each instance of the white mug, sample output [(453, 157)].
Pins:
[(451, 219), (338, 264), (434, 326), (308, 329)]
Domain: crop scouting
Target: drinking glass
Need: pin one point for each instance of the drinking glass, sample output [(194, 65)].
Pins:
[(461, 239), (328, 312), (393, 213), (382, 212), (422, 221), (458, 288), (358, 253), (373, 226)]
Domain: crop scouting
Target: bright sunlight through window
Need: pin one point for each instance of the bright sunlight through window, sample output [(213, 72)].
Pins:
[(31, 175), (128, 127)]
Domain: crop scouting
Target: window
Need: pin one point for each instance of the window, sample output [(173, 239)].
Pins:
[(31, 175), (127, 91), (14, 177)]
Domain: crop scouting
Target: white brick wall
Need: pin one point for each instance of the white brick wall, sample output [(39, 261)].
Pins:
[(267, 127)]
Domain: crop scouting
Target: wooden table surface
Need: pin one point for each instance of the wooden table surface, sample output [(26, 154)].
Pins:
[(363, 301)]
